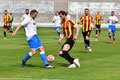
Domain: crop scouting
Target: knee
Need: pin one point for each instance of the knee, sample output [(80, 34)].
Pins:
[(33, 52), (41, 49), (87, 38)]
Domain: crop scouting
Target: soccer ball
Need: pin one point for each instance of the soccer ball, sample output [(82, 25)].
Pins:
[(50, 58)]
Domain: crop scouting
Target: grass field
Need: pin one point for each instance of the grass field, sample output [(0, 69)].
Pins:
[(102, 64)]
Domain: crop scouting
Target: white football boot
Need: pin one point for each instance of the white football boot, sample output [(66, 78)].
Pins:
[(90, 50), (76, 61), (72, 66)]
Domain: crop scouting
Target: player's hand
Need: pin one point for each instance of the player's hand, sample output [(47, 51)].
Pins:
[(59, 41), (75, 38), (13, 34), (93, 27)]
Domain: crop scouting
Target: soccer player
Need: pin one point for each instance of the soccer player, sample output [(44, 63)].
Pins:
[(86, 21), (57, 21), (111, 28), (98, 19), (32, 38), (12, 18), (68, 26), (25, 15), (6, 22)]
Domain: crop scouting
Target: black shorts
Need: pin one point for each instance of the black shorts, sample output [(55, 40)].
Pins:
[(87, 33), (98, 26), (6, 27), (69, 41)]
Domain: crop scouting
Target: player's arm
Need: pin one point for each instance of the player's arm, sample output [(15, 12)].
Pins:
[(77, 32), (80, 21), (53, 20), (93, 23), (61, 38), (18, 28)]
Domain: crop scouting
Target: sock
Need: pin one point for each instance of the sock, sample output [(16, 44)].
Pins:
[(88, 42), (85, 41), (29, 55), (66, 56), (96, 32), (113, 38), (4, 34), (99, 31), (11, 31), (43, 56), (59, 33), (109, 36)]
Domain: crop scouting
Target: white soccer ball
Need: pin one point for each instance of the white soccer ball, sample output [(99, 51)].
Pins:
[(50, 58)]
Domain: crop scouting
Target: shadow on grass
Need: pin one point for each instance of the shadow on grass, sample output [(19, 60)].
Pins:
[(29, 65), (63, 64)]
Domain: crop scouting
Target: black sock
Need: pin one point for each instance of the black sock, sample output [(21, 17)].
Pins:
[(96, 32), (11, 31), (99, 31), (88, 42), (85, 41), (67, 57), (4, 34)]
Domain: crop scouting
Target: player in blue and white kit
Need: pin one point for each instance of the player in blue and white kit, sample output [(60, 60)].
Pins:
[(112, 28), (57, 21), (25, 15), (32, 38)]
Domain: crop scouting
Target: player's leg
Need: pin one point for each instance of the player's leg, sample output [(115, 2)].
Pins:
[(57, 29), (100, 30), (88, 41), (8, 29), (4, 32), (29, 55), (96, 31), (109, 33), (113, 31), (43, 56), (64, 53), (84, 36)]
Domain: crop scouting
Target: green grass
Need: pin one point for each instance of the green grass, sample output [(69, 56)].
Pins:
[(102, 64)]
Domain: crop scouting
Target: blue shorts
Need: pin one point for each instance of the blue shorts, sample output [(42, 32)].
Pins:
[(112, 28), (34, 42), (57, 28)]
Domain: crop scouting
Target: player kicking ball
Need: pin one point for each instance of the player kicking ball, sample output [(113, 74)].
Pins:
[(111, 28), (32, 38), (68, 26)]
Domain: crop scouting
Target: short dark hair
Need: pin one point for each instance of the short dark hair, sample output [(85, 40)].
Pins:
[(26, 9), (33, 11), (113, 12), (5, 10), (62, 12), (87, 9)]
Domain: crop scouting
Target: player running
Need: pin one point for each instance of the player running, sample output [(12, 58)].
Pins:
[(57, 21), (111, 28), (86, 20), (68, 26), (6, 22), (98, 19), (32, 38)]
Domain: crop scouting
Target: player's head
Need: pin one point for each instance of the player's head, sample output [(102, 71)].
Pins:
[(27, 11), (56, 13), (5, 12), (10, 13), (86, 11), (112, 13), (98, 12), (33, 13), (62, 14)]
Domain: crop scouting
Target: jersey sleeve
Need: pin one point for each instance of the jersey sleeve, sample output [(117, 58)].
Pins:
[(53, 18), (25, 22), (72, 23), (80, 20), (22, 18), (101, 17), (92, 19)]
